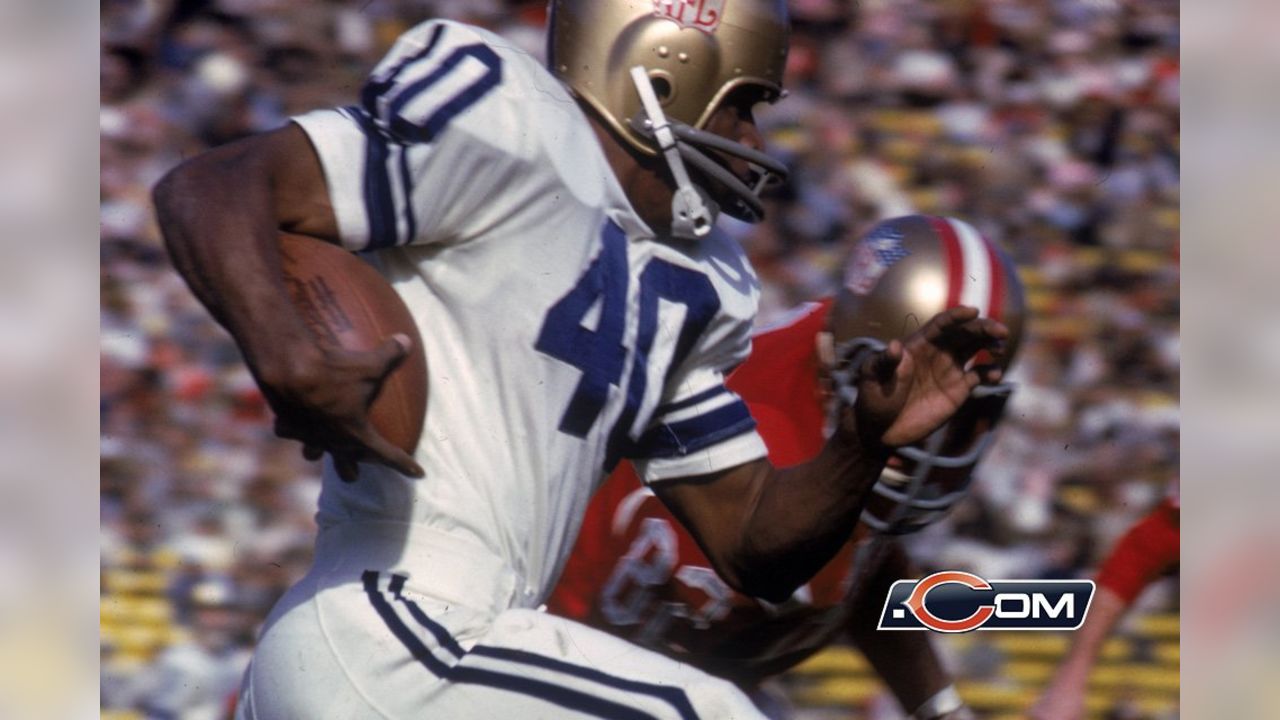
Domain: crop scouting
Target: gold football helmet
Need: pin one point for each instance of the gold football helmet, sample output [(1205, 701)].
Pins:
[(656, 70), (898, 276)]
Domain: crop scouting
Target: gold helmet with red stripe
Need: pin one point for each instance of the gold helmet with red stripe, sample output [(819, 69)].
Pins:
[(898, 276)]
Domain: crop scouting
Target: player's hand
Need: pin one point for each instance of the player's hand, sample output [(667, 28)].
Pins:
[(914, 386), (321, 397)]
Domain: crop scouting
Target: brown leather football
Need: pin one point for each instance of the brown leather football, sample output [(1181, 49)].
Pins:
[(347, 303)]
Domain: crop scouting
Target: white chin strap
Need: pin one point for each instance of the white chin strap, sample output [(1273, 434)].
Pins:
[(693, 214)]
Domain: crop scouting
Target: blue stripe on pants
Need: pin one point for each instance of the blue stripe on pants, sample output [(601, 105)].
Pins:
[(541, 689)]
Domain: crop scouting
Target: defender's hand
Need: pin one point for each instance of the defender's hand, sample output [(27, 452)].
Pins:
[(321, 397), (914, 387)]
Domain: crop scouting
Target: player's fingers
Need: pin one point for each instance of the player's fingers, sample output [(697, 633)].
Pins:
[(312, 452), (981, 330), (391, 352), (939, 323), (972, 379), (994, 329), (962, 321), (380, 450), (285, 429), (963, 340), (882, 365)]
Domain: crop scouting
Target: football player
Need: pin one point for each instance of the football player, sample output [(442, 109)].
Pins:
[(636, 573), (552, 231), (1146, 552)]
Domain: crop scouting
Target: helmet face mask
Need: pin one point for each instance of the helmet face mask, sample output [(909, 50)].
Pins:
[(921, 483), (690, 56), (898, 276)]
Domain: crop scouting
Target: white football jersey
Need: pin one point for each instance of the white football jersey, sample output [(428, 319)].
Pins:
[(560, 334)]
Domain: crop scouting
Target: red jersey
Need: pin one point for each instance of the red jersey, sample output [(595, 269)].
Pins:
[(1148, 550), (637, 573)]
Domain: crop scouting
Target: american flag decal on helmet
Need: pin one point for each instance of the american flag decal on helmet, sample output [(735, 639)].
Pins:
[(703, 15), (872, 257)]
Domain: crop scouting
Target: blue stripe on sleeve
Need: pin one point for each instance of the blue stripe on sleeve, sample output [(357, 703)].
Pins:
[(378, 202), (406, 184), (681, 438)]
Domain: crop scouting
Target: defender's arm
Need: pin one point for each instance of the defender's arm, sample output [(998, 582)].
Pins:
[(906, 661), (766, 530)]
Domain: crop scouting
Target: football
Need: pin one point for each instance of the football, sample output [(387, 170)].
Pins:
[(346, 303)]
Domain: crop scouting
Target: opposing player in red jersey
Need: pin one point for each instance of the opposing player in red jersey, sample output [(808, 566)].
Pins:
[(1146, 552), (635, 572)]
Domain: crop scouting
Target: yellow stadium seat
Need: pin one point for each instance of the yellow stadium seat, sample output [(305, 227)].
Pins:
[(834, 661), (1033, 644), (153, 610), (1041, 301), (900, 172), (1070, 327), (1029, 672), (166, 559), (839, 692), (924, 200), (135, 582), (1165, 625), (889, 119), (110, 610), (1089, 257), (135, 610), (1078, 498), (1169, 653), (1144, 261), (903, 150), (1098, 702), (143, 639), (1032, 277), (988, 696), (1144, 677), (926, 124), (133, 655), (1116, 649)]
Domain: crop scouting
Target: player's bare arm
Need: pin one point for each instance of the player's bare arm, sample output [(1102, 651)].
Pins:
[(221, 213), (1147, 551), (767, 530), (906, 661)]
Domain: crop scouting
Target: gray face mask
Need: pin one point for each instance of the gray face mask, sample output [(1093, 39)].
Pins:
[(905, 502), (693, 211), (934, 480)]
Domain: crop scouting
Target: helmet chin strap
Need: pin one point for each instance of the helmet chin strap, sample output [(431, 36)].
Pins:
[(693, 214)]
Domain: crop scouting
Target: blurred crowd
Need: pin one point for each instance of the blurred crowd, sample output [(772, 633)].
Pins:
[(1051, 125)]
